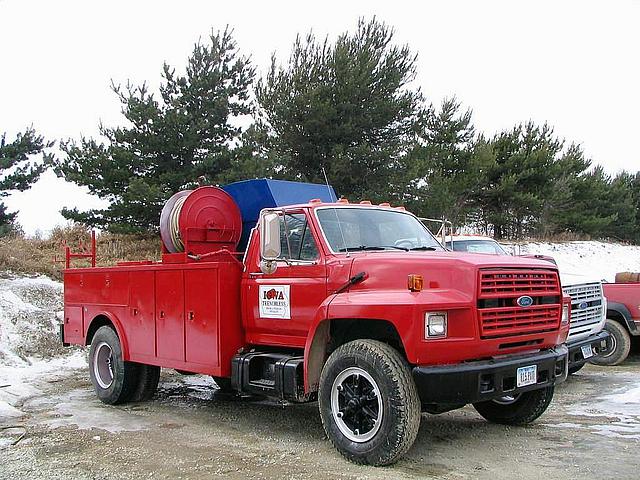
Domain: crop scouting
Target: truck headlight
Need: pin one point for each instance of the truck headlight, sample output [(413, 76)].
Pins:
[(435, 324), (565, 315)]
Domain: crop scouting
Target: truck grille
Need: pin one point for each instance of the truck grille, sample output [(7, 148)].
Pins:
[(586, 306), (498, 311)]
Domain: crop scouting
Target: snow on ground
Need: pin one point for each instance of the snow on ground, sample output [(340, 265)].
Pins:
[(596, 259), (18, 383), (614, 414), (30, 352)]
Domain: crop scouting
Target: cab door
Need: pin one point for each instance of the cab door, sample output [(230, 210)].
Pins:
[(280, 307)]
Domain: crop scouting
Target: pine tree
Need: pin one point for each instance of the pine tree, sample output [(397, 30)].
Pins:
[(188, 132), (347, 107), (634, 186), (522, 175), (443, 172), (18, 171)]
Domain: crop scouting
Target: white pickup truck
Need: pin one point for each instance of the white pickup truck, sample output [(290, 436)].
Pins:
[(588, 305)]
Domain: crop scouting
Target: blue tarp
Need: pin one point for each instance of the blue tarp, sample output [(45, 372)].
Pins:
[(254, 195)]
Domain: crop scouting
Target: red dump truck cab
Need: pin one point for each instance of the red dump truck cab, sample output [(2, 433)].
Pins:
[(354, 305)]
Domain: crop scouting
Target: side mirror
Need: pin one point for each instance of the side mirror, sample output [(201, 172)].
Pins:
[(270, 236)]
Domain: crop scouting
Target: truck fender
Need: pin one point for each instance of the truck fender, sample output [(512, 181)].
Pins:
[(316, 347), (315, 350), (105, 318), (623, 312)]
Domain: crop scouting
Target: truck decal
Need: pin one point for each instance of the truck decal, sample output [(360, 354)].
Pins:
[(274, 301)]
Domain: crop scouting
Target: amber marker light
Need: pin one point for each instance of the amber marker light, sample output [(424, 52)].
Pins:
[(415, 282)]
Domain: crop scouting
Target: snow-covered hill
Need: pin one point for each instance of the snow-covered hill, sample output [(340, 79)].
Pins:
[(596, 259), (30, 352)]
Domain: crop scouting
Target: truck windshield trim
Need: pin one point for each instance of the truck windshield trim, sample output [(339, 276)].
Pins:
[(421, 238)]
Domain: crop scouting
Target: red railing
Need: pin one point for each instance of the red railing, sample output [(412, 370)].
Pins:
[(83, 253)]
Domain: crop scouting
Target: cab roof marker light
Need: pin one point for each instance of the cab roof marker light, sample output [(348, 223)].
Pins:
[(401, 208), (385, 204), (365, 202), (315, 200), (342, 200)]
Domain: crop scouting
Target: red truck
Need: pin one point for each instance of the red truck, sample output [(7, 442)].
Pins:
[(623, 317), (356, 306)]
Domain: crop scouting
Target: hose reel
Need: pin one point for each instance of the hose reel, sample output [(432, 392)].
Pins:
[(200, 221)]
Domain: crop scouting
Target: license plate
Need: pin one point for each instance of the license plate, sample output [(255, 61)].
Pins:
[(586, 351), (527, 376)]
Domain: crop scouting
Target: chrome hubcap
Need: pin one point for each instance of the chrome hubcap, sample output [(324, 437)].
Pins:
[(103, 365), (356, 404), (610, 347)]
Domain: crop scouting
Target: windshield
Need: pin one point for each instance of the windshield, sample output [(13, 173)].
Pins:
[(357, 229), (477, 246)]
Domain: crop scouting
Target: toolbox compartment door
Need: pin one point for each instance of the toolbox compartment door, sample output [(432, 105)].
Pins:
[(141, 328), (170, 314), (201, 316), (73, 329)]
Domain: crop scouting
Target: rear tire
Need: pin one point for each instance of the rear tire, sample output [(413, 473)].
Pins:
[(618, 345), (114, 380), (149, 376), (368, 402), (520, 410)]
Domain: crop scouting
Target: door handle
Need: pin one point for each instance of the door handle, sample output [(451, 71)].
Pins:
[(191, 315)]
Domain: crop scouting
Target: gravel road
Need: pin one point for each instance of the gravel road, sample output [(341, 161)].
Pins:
[(189, 431)]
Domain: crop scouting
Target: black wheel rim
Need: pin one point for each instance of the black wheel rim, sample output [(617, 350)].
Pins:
[(356, 404)]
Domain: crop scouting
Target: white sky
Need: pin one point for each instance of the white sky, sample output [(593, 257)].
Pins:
[(574, 64)]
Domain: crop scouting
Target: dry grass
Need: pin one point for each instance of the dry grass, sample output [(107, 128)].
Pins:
[(36, 256)]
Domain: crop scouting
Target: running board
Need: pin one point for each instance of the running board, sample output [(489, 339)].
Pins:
[(275, 375)]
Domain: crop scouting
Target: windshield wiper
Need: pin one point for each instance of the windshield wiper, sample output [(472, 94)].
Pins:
[(423, 248), (371, 247)]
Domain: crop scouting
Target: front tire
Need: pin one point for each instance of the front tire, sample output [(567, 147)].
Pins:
[(368, 402), (224, 384), (114, 380), (521, 409), (618, 345), (575, 369)]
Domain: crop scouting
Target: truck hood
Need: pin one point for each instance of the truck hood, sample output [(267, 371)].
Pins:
[(451, 270), (568, 279)]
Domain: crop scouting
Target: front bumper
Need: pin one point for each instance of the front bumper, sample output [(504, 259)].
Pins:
[(597, 342), (483, 380)]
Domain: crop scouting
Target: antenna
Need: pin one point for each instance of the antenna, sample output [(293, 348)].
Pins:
[(329, 189)]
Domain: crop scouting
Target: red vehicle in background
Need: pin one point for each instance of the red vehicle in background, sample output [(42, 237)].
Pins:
[(354, 305), (623, 317)]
